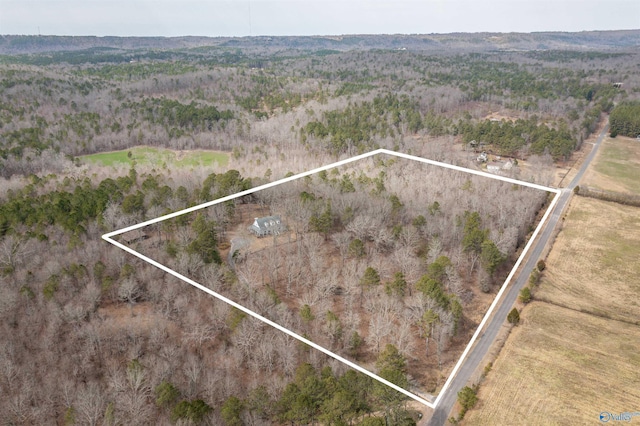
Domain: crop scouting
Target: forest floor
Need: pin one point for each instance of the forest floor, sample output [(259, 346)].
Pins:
[(161, 157), (574, 354), (117, 318), (423, 369)]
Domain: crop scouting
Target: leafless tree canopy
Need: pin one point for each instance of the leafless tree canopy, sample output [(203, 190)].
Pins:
[(381, 251)]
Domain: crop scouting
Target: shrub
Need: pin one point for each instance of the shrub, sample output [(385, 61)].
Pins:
[(166, 394), (50, 287), (306, 314), (487, 368), (372, 421), (355, 341), (371, 278), (231, 411), (513, 317), (467, 397), (356, 248), (525, 295), (419, 221), (541, 265), (193, 411), (26, 291), (534, 278)]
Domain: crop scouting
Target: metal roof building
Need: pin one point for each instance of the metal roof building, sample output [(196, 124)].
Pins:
[(268, 225)]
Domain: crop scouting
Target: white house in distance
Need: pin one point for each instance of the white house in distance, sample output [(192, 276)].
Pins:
[(268, 225), (499, 167)]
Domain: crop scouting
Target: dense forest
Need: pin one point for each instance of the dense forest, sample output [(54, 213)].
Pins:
[(625, 119), (386, 262)]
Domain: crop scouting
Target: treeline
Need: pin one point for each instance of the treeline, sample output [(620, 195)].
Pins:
[(70, 209), (483, 77), (171, 113), (266, 93), (510, 138), (358, 125), (566, 56), (80, 126), (133, 71), (625, 119), (79, 202), (15, 142), (616, 197), (120, 64), (350, 398)]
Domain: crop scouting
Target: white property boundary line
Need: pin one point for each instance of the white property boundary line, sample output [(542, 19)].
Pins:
[(108, 237)]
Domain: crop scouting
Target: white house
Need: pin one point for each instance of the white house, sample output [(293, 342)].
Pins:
[(268, 225), (494, 167), (499, 167)]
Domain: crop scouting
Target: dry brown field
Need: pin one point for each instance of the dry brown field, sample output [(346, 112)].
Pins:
[(594, 265), (575, 353), (561, 367)]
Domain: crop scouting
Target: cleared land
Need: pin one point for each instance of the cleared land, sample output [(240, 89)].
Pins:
[(158, 156), (617, 166), (594, 266), (561, 367), (575, 353)]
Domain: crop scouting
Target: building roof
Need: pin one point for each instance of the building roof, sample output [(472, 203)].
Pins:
[(267, 222), (495, 164), (133, 236)]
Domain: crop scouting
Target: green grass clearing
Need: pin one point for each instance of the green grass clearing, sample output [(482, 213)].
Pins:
[(158, 157), (618, 166)]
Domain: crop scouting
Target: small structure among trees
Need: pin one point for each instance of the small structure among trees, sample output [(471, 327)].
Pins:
[(134, 236), (268, 225), (499, 167)]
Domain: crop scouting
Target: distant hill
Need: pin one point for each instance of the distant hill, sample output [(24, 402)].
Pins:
[(588, 40)]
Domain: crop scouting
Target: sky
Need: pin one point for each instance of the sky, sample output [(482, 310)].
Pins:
[(310, 17)]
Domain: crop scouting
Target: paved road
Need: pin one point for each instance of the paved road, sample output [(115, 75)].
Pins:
[(493, 326)]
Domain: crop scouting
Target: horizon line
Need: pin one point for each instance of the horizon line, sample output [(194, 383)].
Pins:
[(327, 35)]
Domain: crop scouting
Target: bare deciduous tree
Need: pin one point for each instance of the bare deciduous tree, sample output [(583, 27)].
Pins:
[(13, 251), (129, 290), (200, 334), (90, 404), (342, 240), (403, 339), (379, 327), (192, 371)]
